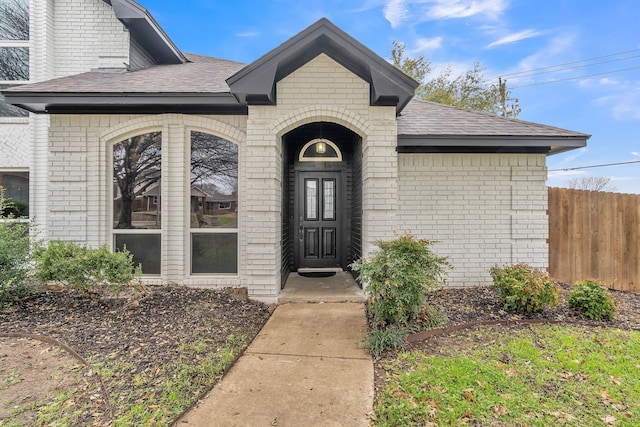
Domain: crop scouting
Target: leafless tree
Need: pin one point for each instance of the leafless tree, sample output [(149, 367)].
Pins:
[(214, 162), (14, 25), (592, 183), (136, 167)]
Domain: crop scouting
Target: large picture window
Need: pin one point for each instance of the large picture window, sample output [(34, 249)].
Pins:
[(14, 50), (213, 203), (137, 202)]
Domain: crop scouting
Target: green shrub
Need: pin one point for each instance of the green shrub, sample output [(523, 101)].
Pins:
[(84, 269), (378, 341), (14, 255), (592, 299), (525, 289), (397, 277)]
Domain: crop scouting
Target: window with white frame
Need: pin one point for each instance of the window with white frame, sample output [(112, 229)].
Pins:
[(213, 184), (15, 185), (14, 50), (137, 184)]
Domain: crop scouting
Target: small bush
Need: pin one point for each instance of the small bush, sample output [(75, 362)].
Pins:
[(14, 255), (397, 277), (84, 269), (592, 299), (378, 341), (525, 289)]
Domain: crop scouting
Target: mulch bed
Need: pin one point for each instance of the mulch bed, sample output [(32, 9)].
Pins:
[(142, 329)]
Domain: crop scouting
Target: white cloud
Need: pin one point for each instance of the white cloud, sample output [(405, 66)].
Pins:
[(448, 9), (248, 34), (515, 37), (425, 45), (395, 11), (557, 47), (399, 11), (635, 153), (574, 155), (623, 104)]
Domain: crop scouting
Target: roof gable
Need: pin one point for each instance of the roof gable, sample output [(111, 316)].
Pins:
[(146, 31), (255, 84)]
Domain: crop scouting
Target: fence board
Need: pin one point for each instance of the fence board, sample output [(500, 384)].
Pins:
[(595, 235)]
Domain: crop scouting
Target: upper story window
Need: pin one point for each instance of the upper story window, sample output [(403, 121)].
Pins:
[(14, 50)]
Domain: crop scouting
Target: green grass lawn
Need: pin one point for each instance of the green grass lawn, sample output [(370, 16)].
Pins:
[(537, 376)]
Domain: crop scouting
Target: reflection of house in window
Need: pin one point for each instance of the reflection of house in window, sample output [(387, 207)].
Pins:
[(16, 193)]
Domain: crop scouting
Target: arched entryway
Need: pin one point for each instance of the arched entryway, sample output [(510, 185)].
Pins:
[(322, 197)]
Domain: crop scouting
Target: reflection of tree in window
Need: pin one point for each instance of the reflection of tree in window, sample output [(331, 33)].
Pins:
[(14, 50), (14, 25), (214, 162), (136, 175)]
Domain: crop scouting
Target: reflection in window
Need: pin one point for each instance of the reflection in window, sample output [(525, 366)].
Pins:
[(14, 19), (213, 204), (14, 49), (16, 194), (137, 202), (136, 179), (8, 110)]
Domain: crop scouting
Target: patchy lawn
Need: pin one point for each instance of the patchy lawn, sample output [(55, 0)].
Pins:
[(149, 355), (536, 376), (517, 375)]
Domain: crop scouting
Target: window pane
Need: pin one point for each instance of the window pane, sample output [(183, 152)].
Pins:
[(136, 182), (14, 63), (145, 249), (16, 193), (14, 19), (214, 253), (311, 199), (8, 110), (214, 182), (329, 207)]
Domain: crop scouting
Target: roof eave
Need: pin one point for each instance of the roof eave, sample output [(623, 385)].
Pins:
[(553, 144), (147, 31), (96, 103)]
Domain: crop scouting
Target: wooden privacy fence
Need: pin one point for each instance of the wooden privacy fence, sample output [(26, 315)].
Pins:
[(594, 235)]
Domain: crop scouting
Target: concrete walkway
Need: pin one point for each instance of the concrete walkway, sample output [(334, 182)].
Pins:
[(306, 367)]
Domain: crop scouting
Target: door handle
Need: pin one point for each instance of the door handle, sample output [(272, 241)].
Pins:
[(301, 232)]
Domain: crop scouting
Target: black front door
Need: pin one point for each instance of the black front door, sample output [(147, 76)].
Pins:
[(318, 216)]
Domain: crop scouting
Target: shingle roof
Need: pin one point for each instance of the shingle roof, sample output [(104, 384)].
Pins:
[(201, 75), (422, 118)]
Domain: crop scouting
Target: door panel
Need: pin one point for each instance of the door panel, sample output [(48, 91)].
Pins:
[(319, 223)]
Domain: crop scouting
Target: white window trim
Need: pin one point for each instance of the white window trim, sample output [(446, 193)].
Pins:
[(187, 206), (302, 158)]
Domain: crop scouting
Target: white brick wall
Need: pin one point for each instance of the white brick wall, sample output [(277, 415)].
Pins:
[(15, 142), (486, 209), (79, 182), (87, 36), (321, 90)]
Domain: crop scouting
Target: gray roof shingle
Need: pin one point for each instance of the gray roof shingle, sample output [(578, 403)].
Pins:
[(201, 75), (423, 118)]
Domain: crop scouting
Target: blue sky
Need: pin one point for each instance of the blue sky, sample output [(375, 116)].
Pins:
[(506, 36)]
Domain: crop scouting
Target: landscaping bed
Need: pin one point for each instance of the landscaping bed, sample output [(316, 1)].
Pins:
[(487, 381), (150, 353)]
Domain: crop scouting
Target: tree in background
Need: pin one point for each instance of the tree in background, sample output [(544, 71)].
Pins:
[(14, 25), (466, 91), (592, 183)]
